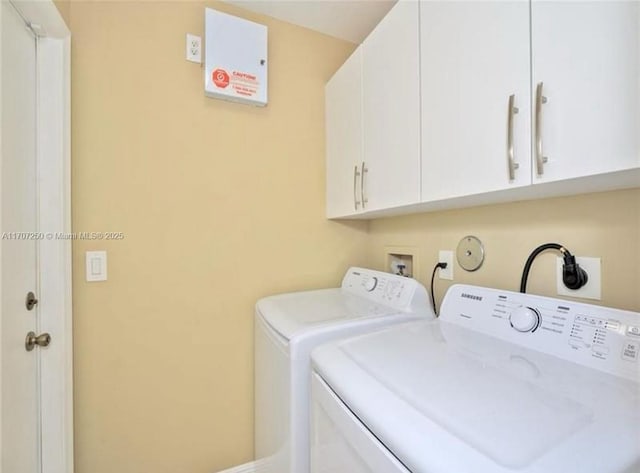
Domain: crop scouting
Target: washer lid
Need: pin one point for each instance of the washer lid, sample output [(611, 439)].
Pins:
[(444, 398), (296, 313)]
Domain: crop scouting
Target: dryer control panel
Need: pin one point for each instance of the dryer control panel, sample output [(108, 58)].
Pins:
[(599, 337), (398, 292)]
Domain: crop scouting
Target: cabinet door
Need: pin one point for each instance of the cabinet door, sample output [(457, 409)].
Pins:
[(474, 56), (586, 56), (343, 122), (391, 110)]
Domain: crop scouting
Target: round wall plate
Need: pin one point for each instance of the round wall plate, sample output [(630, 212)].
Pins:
[(470, 253)]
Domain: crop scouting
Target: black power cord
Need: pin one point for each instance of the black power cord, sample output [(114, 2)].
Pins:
[(573, 276), (433, 276)]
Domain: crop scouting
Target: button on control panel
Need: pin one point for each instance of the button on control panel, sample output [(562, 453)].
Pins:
[(599, 337), (630, 351), (633, 330)]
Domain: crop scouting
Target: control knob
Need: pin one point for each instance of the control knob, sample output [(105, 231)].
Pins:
[(371, 283), (525, 319)]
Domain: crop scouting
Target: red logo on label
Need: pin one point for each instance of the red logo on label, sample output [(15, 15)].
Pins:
[(220, 78)]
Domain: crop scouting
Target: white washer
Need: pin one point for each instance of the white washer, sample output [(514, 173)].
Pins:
[(502, 382), (289, 326)]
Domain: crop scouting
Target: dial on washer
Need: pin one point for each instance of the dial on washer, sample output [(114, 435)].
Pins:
[(371, 284), (525, 319)]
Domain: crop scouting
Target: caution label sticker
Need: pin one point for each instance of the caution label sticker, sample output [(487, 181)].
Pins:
[(242, 83)]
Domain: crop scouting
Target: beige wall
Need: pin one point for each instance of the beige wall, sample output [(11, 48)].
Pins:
[(605, 225), (220, 204)]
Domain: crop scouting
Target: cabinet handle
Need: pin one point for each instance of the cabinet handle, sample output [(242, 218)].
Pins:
[(356, 173), (510, 113), (362, 194), (540, 159)]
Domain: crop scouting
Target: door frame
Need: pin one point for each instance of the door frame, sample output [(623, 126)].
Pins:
[(53, 133)]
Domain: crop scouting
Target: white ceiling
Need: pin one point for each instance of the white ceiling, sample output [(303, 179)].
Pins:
[(345, 19)]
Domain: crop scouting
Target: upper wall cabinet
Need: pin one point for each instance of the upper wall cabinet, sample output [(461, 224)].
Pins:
[(455, 104), (476, 125), (373, 120), (586, 86), (520, 93), (343, 124), (391, 110)]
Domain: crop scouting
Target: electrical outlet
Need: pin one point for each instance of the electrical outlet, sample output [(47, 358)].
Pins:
[(446, 257), (194, 48), (591, 290)]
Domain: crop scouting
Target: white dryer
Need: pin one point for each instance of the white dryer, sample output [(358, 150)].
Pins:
[(289, 326), (502, 382)]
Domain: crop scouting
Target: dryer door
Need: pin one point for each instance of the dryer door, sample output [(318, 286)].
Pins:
[(340, 443)]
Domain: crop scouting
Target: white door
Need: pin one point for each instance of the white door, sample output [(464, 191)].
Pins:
[(474, 56), (391, 109), (343, 119), (586, 55), (20, 386)]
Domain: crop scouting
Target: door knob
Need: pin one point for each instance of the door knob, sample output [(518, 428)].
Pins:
[(41, 340)]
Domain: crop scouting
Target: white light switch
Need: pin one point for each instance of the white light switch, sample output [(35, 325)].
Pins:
[(96, 266)]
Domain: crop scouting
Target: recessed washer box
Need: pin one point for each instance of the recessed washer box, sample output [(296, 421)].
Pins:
[(235, 59)]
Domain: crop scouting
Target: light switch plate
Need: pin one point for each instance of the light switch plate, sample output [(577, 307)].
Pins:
[(593, 288), (96, 266)]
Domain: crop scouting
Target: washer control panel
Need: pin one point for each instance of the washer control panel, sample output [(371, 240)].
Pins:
[(599, 337), (398, 292)]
